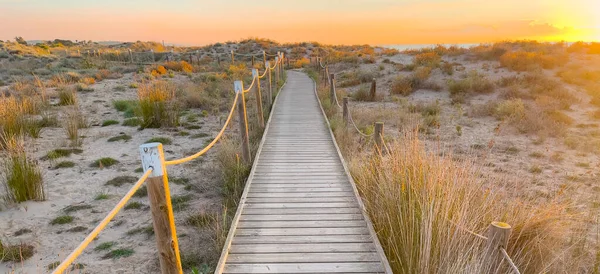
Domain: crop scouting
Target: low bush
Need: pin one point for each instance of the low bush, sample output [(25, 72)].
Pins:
[(22, 176), (104, 162), (428, 59), (156, 106)]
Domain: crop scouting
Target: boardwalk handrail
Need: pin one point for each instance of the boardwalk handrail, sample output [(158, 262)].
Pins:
[(498, 232), (154, 166)]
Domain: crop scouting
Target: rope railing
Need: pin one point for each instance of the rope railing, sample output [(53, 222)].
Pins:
[(155, 174)]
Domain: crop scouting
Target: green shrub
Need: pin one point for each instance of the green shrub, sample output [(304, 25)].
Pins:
[(62, 152), (122, 137), (104, 162), (162, 140), (23, 178), (121, 180), (61, 220), (133, 205), (64, 164), (124, 105), (105, 246), (131, 122), (109, 123)]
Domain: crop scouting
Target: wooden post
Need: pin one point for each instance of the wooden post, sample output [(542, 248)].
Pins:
[(191, 60), (373, 92), (88, 53), (259, 107), (232, 58), (264, 57), (162, 210), (277, 65), (379, 148), (219, 60), (345, 111), (498, 234), (252, 60), (152, 54), (332, 88), (78, 52), (267, 65), (243, 121), (130, 56)]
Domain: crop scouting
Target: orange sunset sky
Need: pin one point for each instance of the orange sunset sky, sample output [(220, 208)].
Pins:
[(199, 22)]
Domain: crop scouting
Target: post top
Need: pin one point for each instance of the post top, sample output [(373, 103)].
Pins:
[(266, 63), (238, 86), (152, 158), (254, 72), (502, 225)]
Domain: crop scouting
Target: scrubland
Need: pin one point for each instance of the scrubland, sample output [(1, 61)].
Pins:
[(500, 132)]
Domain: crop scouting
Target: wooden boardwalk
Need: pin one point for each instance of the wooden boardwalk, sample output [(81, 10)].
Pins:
[(300, 212)]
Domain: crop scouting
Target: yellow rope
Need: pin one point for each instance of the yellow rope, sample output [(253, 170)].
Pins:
[(251, 85), (67, 262), (165, 180), (209, 146), (264, 73)]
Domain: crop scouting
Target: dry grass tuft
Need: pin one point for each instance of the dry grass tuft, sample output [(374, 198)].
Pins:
[(22, 176), (156, 106), (418, 200)]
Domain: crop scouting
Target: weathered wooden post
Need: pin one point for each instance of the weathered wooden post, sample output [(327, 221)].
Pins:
[(198, 57), (498, 234), (219, 60), (379, 147), (277, 65), (130, 56), (345, 113), (232, 58), (243, 121), (152, 56), (252, 60), (78, 52), (264, 57), (162, 210), (259, 107), (88, 53), (268, 67), (373, 92), (332, 88), (191, 60)]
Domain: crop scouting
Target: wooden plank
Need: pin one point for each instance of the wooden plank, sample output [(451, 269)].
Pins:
[(301, 205), (295, 248), (306, 194), (308, 189), (282, 185), (302, 239), (304, 268), (302, 200), (304, 257), (307, 210), (300, 224), (301, 217)]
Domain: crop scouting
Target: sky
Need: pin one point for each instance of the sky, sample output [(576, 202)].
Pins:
[(375, 22)]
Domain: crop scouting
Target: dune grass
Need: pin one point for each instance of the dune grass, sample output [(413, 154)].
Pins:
[(419, 202), (156, 106), (22, 176)]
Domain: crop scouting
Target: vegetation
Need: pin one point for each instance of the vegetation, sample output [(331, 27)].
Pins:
[(121, 180), (104, 162), (22, 176), (61, 220), (156, 105), (118, 253), (162, 140), (15, 253)]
